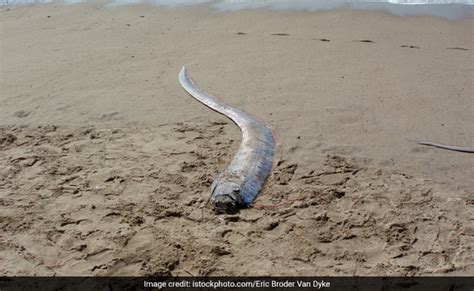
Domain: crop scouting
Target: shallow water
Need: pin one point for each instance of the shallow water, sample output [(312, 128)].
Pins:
[(450, 9), (442, 8)]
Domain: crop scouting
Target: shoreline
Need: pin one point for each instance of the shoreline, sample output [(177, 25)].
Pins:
[(450, 11)]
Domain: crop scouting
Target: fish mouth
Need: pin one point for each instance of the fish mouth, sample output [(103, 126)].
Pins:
[(225, 204)]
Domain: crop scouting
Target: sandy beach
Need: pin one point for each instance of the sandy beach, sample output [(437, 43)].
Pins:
[(106, 162)]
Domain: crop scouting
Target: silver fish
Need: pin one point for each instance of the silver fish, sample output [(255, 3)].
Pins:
[(447, 147), (243, 179)]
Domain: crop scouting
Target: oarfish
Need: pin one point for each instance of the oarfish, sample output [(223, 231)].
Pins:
[(245, 176)]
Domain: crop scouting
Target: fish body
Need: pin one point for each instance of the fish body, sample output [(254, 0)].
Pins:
[(246, 174)]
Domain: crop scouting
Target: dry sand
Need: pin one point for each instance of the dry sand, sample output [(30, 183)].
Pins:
[(105, 162)]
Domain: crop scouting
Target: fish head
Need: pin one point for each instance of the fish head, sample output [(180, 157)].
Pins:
[(225, 196)]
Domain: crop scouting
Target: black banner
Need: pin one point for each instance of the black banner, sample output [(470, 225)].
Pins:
[(239, 283)]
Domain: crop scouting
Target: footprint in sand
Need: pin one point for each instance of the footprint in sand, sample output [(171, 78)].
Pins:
[(364, 40), (6, 139), (109, 116), (285, 174), (322, 39), (457, 48), (410, 46), (21, 113)]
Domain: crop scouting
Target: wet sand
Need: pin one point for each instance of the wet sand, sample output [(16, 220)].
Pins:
[(106, 162)]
